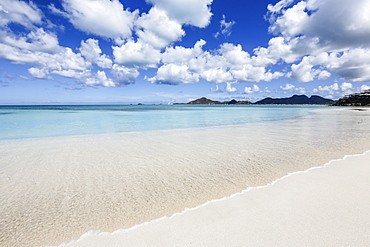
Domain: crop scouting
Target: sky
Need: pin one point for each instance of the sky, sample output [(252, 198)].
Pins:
[(167, 51)]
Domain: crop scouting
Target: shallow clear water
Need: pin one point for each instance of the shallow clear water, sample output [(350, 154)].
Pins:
[(67, 170), (44, 121)]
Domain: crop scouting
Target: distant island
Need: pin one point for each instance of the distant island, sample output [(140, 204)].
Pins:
[(294, 100), (205, 101), (356, 99)]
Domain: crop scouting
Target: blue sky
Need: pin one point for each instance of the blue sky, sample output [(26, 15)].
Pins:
[(164, 51)]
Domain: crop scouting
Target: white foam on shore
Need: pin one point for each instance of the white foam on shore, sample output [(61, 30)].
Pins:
[(93, 234)]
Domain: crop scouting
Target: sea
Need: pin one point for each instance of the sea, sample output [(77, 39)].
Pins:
[(20, 122), (68, 171)]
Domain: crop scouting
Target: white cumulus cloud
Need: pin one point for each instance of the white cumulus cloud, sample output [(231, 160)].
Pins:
[(291, 88), (136, 54), (157, 29), (229, 88), (314, 40), (217, 75), (344, 88), (288, 87), (39, 73), (174, 74), (100, 78), (123, 75), (91, 51), (105, 18), (309, 28), (192, 12), (181, 55), (254, 89)]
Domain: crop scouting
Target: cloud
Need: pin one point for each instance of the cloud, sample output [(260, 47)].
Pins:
[(123, 75), (230, 63), (291, 88), (344, 38), (229, 88), (24, 77), (37, 48), (254, 89), (71, 73), (142, 42), (278, 8), (344, 88), (364, 87), (217, 75), (105, 18), (292, 22), (15, 11), (181, 55), (157, 29), (234, 54), (288, 87), (303, 48), (8, 76), (330, 89), (36, 40), (303, 72), (324, 75), (352, 65), (346, 25), (39, 73), (136, 54), (174, 74), (64, 59), (216, 90), (100, 78), (191, 12), (225, 27), (73, 88), (65, 63), (91, 51)]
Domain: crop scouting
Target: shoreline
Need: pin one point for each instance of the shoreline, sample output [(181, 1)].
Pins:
[(192, 220), (118, 181)]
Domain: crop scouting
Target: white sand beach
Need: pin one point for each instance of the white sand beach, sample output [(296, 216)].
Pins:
[(326, 206), (56, 189)]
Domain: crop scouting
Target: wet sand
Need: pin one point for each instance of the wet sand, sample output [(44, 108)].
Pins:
[(327, 206)]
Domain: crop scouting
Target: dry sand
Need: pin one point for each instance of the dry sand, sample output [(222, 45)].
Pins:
[(328, 206)]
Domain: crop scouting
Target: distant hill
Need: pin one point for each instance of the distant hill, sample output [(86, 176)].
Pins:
[(294, 100), (234, 102), (297, 100), (205, 101), (356, 99)]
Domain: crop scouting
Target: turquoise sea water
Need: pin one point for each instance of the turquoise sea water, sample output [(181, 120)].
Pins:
[(60, 179), (18, 122)]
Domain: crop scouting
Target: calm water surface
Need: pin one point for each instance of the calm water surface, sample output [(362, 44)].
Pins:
[(17, 122)]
